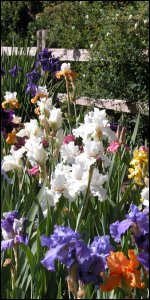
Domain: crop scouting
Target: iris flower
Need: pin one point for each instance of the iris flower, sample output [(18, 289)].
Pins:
[(139, 221), (66, 246), (66, 72), (139, 165), (6, 121), (10, 100), (14, 71), (122, 272), (13, 230), (47, 61), (61, 246)]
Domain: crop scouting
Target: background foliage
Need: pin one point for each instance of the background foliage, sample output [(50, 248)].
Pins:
[(116, 32)]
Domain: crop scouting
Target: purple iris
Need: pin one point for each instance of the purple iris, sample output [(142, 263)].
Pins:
[(2, 72), (62, 247), (143, 258), (31, 88), (33, 76), (101, 246), (90, 264), (140, 218), (6, 121), (142, 241), (48, 61), (15, 70), (65, 245), (89, 269), (13, 230), (137, 219)]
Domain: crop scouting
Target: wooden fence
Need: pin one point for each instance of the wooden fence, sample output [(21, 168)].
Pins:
[(76, 55)]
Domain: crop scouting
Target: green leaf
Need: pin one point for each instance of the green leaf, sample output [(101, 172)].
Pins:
[(133, 138), (34, 207), (59, 295)]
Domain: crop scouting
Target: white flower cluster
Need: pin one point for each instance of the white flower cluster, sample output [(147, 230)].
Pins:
[(72, 174), (34, 134)]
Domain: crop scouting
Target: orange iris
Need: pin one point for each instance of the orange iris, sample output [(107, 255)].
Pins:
[(122, 272)]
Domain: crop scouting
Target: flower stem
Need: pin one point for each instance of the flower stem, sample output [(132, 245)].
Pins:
[(15, 249), (75, 112), (85, 201), (68, 100)]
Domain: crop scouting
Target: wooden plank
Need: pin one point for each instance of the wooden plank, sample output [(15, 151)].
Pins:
[(63, 54), (18, 51), (71, 55), (112, 104)]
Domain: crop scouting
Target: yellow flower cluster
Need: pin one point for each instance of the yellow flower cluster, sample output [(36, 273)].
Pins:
[(139, 171)]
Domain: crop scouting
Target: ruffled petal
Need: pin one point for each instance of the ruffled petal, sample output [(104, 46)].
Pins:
[(49, 260), (21, 239), (133, 279), (46, 241), (112, 282), (133, 259), (8, 244)]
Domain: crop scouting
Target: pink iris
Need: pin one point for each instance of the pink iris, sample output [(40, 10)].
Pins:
[(34, 171), (113, 147)]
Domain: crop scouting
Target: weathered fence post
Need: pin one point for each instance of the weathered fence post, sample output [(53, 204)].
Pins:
[(41, 43), (40, 39)]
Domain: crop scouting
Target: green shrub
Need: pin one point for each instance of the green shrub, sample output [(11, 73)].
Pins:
[(116, 32), (118, 38)]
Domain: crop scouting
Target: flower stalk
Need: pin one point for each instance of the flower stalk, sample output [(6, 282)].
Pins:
[(85, 201)]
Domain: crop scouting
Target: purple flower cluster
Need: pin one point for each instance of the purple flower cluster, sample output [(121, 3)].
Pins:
[(66, 246), (13, 230), (33, 78), (139, 222), (48, 62), (15, 70), (6, 121)]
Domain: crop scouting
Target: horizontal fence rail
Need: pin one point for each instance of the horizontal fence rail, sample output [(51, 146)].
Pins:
[(63, 54), (112, 104)]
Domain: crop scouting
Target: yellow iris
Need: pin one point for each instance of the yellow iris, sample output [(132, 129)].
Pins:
[(139, 166), (12, 104), (11, 138)]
